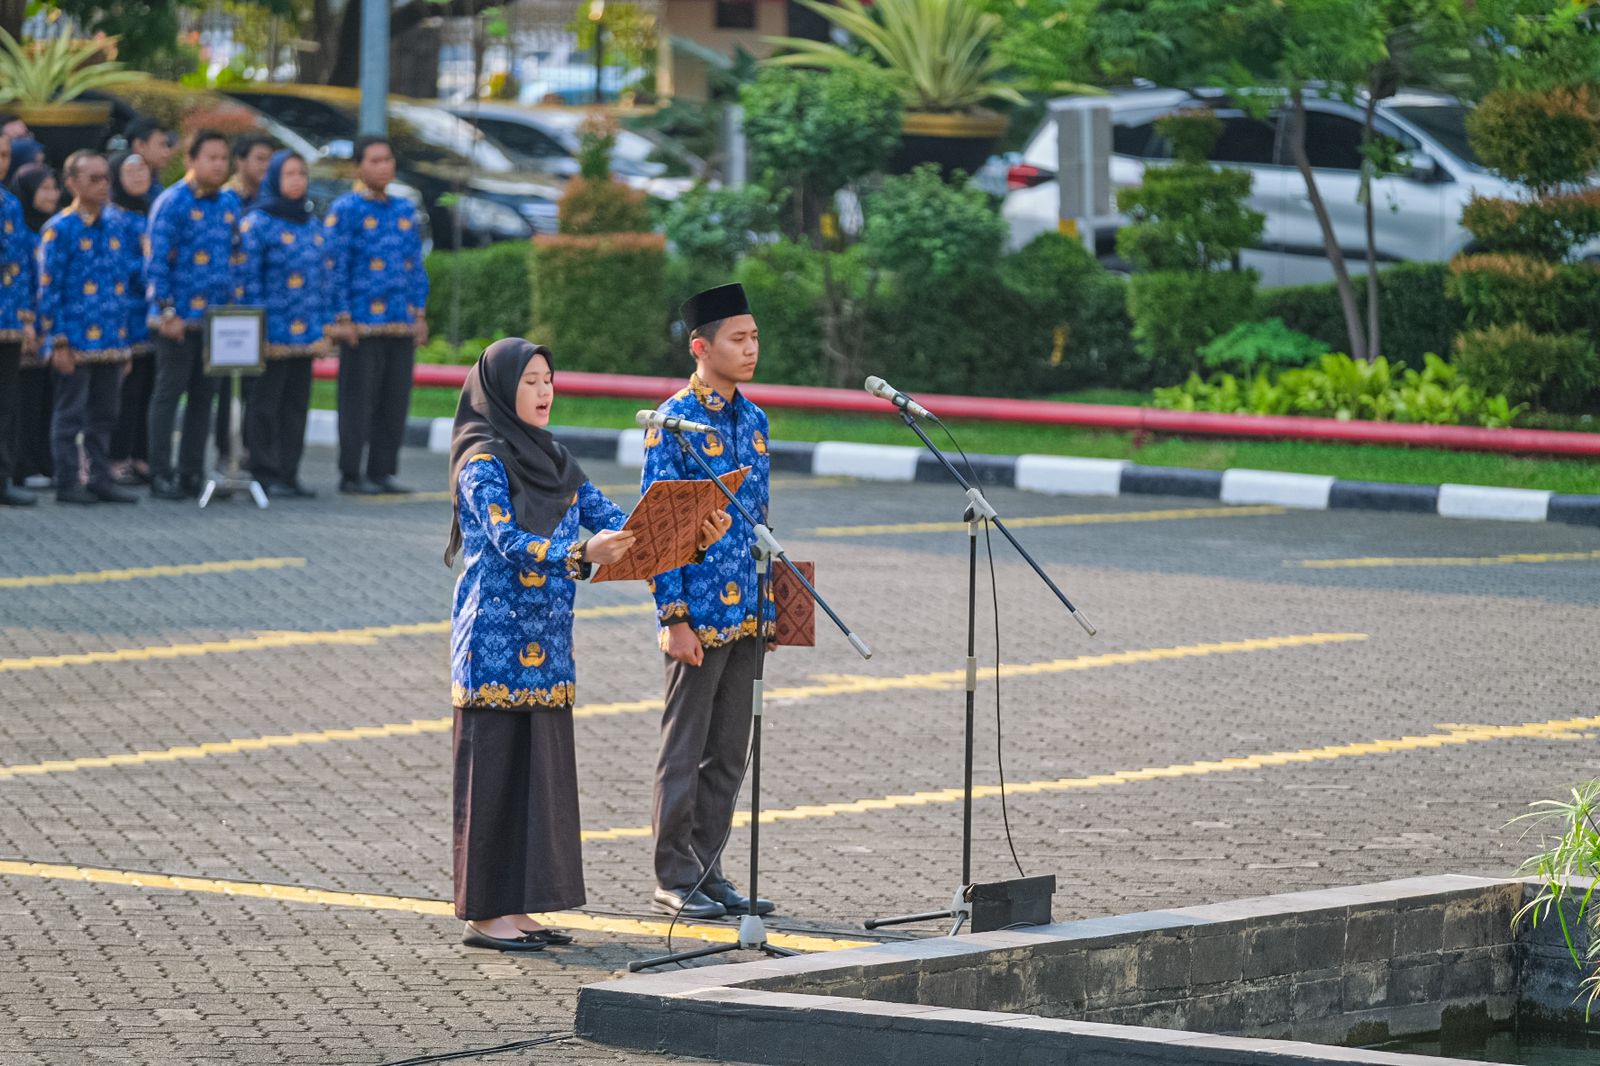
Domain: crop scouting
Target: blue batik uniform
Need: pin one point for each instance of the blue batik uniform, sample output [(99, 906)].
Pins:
[(377, 278), (17, 276), (83, 286), (192, 248), (715, 597), (133, 225), (284, 269), (511, 629)]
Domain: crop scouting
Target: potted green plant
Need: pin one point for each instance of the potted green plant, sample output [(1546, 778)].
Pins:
[(41, 82), (940, 54)]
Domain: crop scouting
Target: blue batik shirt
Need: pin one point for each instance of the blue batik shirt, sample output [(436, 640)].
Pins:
[(16, 269), (378, 281), (83, 286), (283, 268), (511, 627), (134, 224), (716, 597), (190, 250)]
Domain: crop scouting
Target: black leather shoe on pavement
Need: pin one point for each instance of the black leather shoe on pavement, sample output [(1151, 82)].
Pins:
[(694, 905), (106, 492), (474, 939), (14, 497), (163, 488), (190, 485), (734, 902), (391, 487), (299, 491), (76, 494), (359, 487)]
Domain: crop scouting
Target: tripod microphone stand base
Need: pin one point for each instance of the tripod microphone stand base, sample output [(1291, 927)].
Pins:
[(960, 913), (752, 937)]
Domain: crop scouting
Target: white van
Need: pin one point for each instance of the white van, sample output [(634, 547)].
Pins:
[(1418, 212)]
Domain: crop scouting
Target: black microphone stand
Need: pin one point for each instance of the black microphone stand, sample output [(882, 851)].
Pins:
[(978, 510), (752, 931)]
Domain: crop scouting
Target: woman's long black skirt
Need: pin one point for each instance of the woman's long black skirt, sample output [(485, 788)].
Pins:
[(517, 844)]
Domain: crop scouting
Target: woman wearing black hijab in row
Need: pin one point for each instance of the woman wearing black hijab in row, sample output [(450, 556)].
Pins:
[(130, 438), (282, 252), (520, 500), (39, 190)]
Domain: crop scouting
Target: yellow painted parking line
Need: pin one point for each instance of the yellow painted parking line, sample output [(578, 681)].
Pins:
[(135, 573), (1450, 736), (265, 640), (1449, 560), (722, 934), (1172, 515), (824, 686)]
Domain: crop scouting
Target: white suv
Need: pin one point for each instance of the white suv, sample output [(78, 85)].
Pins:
[(1418, 212)]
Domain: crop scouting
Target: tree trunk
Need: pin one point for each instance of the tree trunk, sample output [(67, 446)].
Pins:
[(1374, 337), (1330, 239)]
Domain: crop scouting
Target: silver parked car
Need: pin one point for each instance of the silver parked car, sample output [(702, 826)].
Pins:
[(1418, 211)]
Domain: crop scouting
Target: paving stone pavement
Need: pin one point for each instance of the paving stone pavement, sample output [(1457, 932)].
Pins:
[(118, 973)]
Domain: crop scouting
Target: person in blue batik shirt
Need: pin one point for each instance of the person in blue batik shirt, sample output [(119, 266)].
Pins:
[(283, 253), (39, 191), (16, 327), (380, 294), (188, 263), (712, 618), (130, 440), (83, 318), (521, 501)]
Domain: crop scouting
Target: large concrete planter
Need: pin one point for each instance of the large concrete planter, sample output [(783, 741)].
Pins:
[(65, 128), (955, 141)]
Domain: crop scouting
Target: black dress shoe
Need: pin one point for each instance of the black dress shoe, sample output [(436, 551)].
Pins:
[(550, 936), (294, 488), (735, 903), (277, 490), (164, 488), (474, 939), (686, 904), (14, 497), (76, 494), (191, 484), (106, 492), (389, 486), (358, 487)]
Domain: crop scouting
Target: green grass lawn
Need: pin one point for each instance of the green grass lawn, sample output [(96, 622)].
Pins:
[(1360, 462)]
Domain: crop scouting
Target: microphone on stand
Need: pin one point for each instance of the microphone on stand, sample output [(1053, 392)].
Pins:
[(671, 423), (885, 391)]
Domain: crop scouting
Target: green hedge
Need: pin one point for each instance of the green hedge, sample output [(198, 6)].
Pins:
[(1176, 314), (1415, 315), (600, 302), (1498, 290), (496, 291), (1552, 371)]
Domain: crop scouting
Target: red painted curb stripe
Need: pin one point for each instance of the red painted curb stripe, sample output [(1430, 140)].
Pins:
[(1093, 416)]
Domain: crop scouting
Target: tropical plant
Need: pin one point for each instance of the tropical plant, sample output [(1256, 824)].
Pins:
[(940, 53), (57, 70), (1568, 871), (1249, 346)]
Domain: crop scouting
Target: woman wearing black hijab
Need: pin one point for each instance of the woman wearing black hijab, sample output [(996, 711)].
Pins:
[(39, 190), (521, 501), (130, 437)]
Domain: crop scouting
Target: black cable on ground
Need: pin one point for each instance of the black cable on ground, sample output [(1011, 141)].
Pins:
[(472, 1053)]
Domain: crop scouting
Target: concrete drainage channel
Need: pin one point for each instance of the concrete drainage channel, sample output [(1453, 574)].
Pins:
[(1287, 980)]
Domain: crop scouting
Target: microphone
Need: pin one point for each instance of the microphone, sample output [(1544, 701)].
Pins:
[(885, 391), (671, 423)]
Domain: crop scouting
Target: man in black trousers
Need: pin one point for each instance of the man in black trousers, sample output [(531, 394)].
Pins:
[(379, 291)]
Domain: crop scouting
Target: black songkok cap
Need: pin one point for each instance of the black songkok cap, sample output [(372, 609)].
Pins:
[(713, 305)]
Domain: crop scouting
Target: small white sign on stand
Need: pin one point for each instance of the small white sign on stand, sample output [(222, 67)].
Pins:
[(233, 344)]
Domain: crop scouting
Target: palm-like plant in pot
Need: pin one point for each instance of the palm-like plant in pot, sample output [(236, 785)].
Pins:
[(42, 82), (941, 54)]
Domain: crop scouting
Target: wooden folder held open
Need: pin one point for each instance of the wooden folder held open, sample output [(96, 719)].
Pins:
[(667, 524)]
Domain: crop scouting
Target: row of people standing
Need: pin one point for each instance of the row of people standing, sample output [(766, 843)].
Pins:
[(100, 283)]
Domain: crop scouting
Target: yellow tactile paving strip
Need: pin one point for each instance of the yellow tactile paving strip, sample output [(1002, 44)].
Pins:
[(1508, 559), (1172, 515), (135, 573)]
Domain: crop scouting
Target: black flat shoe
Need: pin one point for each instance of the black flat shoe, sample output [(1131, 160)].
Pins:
[(10, 497), (359, 487), (76, 494), (390, 487), (108, 492), (474, 939), (735, 902), (550, 936), (690, 905), (166, 489)]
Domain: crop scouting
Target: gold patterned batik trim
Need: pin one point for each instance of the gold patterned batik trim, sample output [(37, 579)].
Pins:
[(676, 611), (505, 698), (101, 355), (295, 351), (575, 563), (712, 637), (709, 398), (10, 336), (385, 329)]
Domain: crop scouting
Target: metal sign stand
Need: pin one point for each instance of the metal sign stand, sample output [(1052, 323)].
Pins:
[(225, 482), (232, 346)]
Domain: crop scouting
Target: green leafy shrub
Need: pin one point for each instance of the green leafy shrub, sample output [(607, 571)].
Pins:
[(599, 302), (1251, 346), (1553, 371), (1566, 871), (1341, 387), (1192, 134), (1176, 314), (785, 285), (440, 350), (1416, 316), (1187, 217), (605, 206), (1543, 138), (496, 290), (597, 139), (719, 227), (1499, 289), (1075, 330), (1547, 228), (930, 231)]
